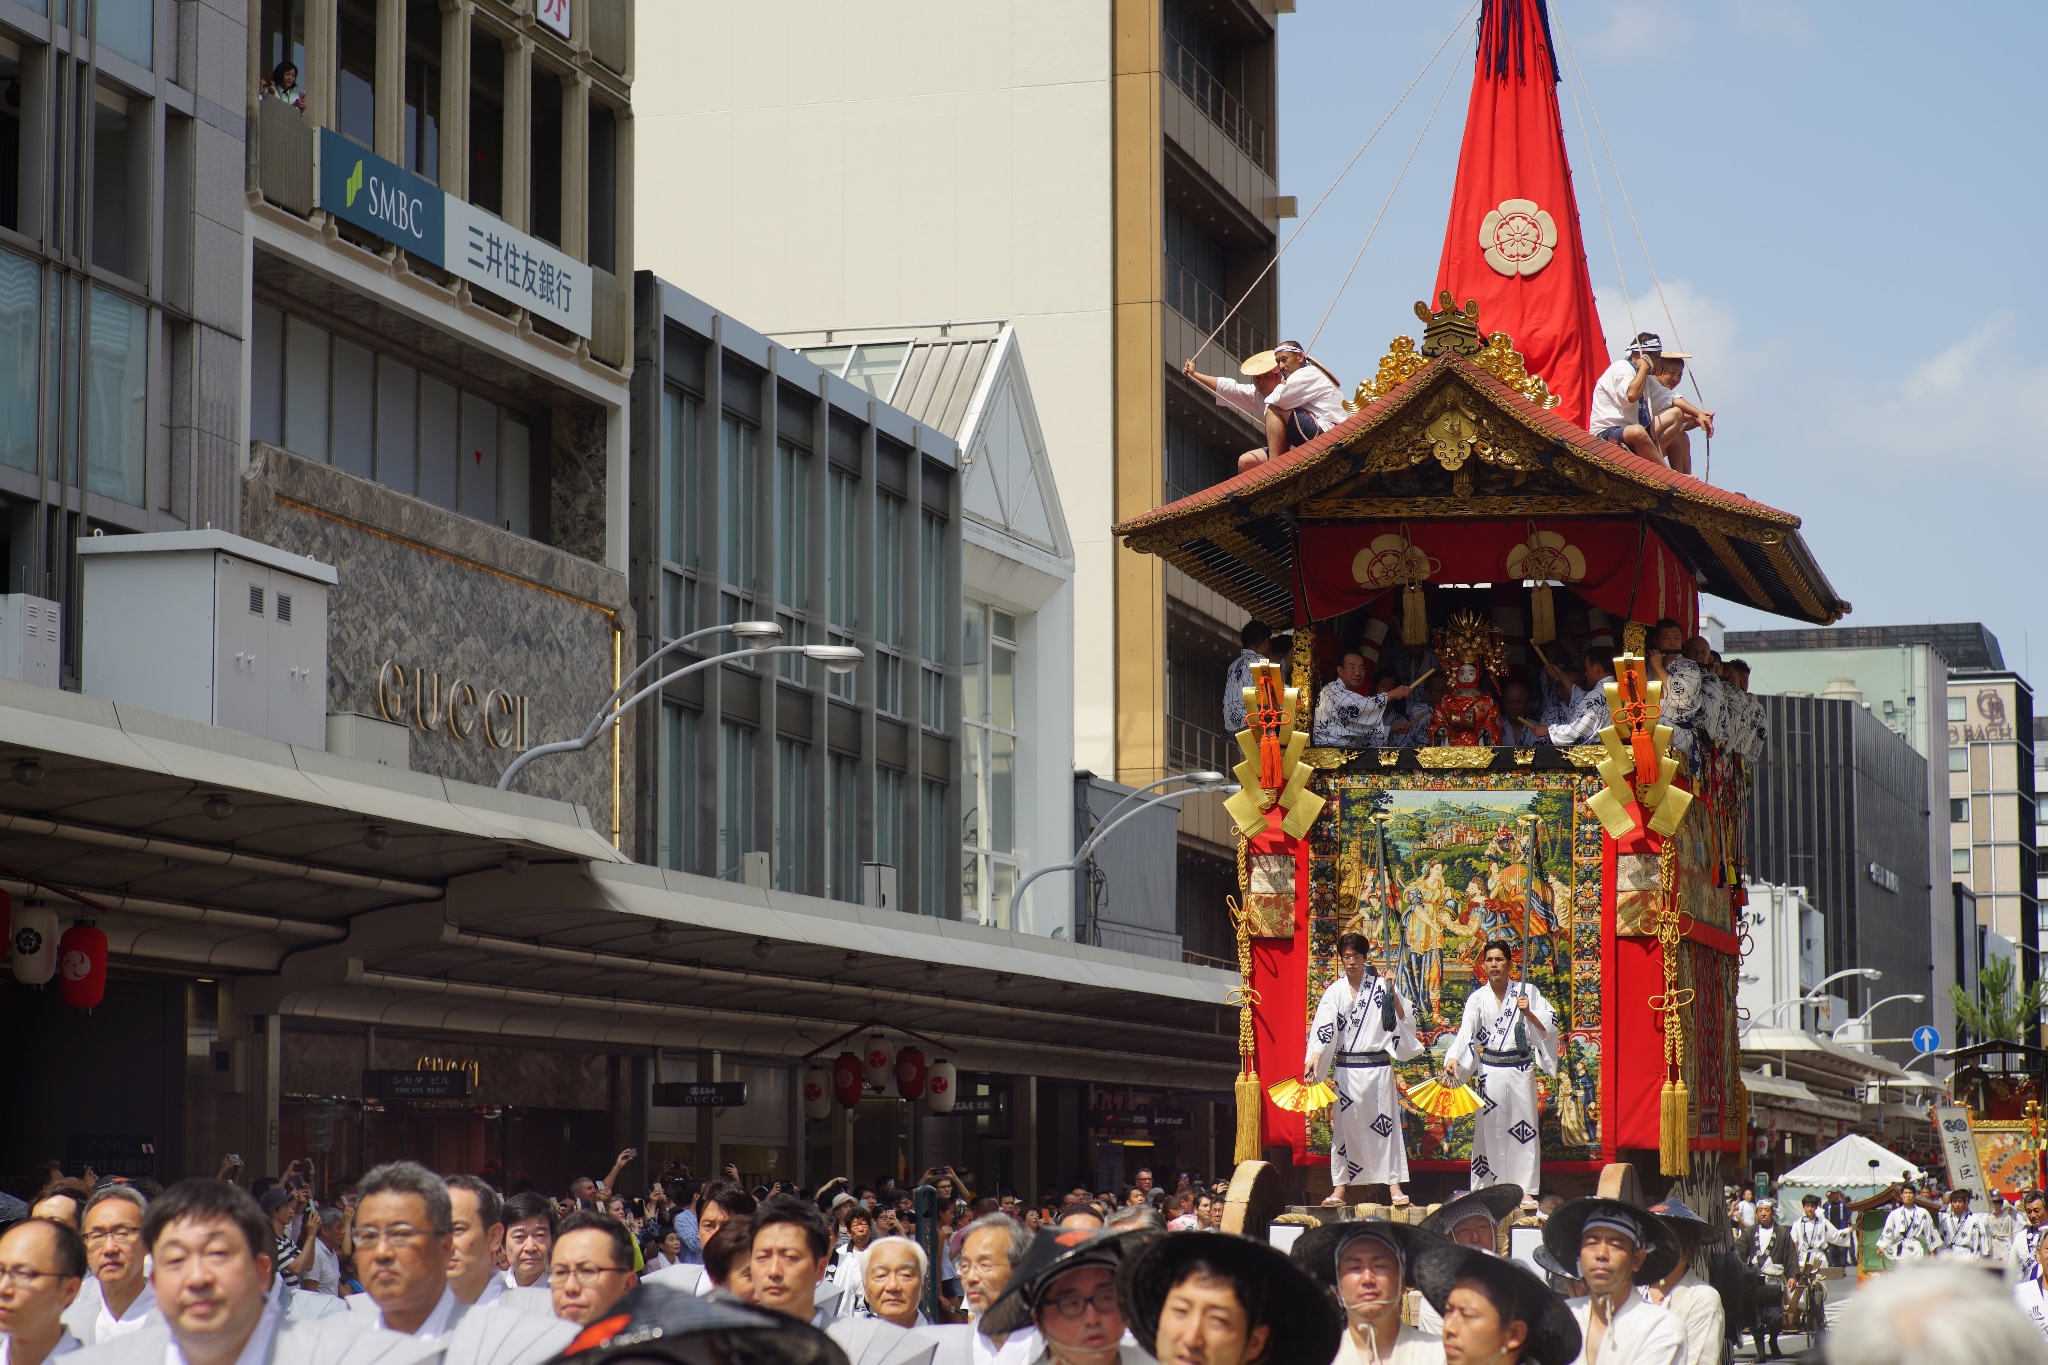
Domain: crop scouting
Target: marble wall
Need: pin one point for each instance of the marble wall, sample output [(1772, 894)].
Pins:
[(458, 601)]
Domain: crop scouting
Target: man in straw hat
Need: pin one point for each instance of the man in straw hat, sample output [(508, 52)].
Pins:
[(1471, 1220), (1062, 1301), (1494, 1312), (1696, 1303), (1509, 1031), (1633, 404), (1369, 1263), (1363, 1025), (1202, 1298), (1618, 1246), (1294, 396)]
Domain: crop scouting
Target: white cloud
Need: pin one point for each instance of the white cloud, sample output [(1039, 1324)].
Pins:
[(1640, 31), (1728, 370), (1972, 403)]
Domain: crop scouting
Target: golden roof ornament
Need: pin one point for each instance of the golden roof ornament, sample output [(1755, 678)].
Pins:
[(1500, 359), (1450, 328), (1455, 331)]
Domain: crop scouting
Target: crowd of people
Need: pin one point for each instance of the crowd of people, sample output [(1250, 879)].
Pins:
[(417, 1267)]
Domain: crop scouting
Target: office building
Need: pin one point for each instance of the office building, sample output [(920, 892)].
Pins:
[(1099, 173)]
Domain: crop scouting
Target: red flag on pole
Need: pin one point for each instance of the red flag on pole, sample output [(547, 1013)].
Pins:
[(1513, 241)]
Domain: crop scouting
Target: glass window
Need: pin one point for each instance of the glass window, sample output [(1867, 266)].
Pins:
[(266, 376), (129, 28), (842, 829), (357, 113), (889, 604), (935, 876), (889, 817), (21, 295), (1958, 708), (676, 815), (479, 466), (792, 555), (355, 407), (679, 478), (1959, 810), (1959, 860), (117, 393), (305, 389), (792, 815), (440, 440), (120, 185), (735, 798), (1958, 758), (397, 425), (842, 544), (422, 132), (604, 188), (876, 368), (738, 487), (486, 121), (515, 474), (988, 799), (933, 612), (545, 152)]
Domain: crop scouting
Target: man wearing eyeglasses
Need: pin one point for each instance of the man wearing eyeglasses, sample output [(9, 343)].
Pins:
[(42, 1266), (113, 1253), (403, 1239), (590, 1267)]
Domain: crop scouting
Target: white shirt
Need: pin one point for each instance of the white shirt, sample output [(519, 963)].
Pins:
[(1350, 720), (1744, 1209), (1588, 717), (1698, 1308), (253, 1350), (1018, 1348), (1813, 1236), (493, 1290), (1639, 1333), (2027, 1294), (1611, 405), (436, 1325), (1308, 387), (106, 1326), (325, 1276), (66, 1344), (1909, 1234), (1412, 1346)]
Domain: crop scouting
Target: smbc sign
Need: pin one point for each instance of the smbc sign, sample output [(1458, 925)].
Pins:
[(468, 242)]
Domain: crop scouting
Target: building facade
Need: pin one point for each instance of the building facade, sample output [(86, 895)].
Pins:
[(1099, 173)]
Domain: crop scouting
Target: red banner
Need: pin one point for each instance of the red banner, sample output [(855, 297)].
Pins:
[(1513, 240), (1280, 976), (1619, 566)]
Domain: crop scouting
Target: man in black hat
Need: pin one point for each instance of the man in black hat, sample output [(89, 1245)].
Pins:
[(1368, 1261), (1696, 1303), (1062, 1300), (1618, 1246), (1197, 1298), (1494, 1312)]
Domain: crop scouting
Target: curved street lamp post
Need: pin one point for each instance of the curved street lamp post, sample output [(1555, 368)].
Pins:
[(1201, 781)]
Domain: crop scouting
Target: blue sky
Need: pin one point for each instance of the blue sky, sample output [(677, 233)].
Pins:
[(1845, 206)]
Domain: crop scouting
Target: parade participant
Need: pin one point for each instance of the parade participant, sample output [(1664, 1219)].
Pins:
[(1814, 1239), (403, 1242), (1474, 1219), (1963, 1230), (1348, 716), (1586, 714), (1362, 1025), (1766, 1248), (1696, 1303), (1368, 1262), (1632, 406), (1195, 1298), (895, 1274), (2026, 1236), (1063, 1298), (2031, 1294), (1253, 642), (529, 1229), (1494, 1312), (787, 1257), (1517, 729), (1909, 1233), (1933, 1315), (1616, 1247), (1304, 400), (1509, 1031)]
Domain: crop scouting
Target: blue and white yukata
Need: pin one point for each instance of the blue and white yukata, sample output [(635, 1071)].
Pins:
[(1352, 1044), (1507, 1143), (1350, 720)]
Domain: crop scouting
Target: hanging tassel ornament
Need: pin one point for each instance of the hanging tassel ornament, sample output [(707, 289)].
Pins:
[(1251, 1098), (1542, 614), (1674, 1115), (1414, 617)]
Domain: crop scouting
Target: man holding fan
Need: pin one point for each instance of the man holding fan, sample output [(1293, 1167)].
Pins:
[(1508, 1031)]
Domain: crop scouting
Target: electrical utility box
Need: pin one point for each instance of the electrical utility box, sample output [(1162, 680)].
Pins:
[(31, 639), (211, 627)]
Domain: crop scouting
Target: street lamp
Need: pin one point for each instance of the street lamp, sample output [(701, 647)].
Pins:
[(1860, 1020), (760, 634), (1205, 780), (1867, 973)]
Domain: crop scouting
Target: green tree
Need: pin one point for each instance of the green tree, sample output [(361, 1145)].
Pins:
[(2000, 1010)]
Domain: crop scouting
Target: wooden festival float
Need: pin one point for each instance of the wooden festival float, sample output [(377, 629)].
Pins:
[(1463, 518)]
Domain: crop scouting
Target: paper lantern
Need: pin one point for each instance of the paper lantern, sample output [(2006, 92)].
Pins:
[(32, 939), (910, 1074), (818, 1092), (847, 1086), (6, 917), (940, 1082), (82, 965), (874, 1062)]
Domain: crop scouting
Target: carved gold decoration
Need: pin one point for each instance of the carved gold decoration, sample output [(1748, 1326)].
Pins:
[(1397, 367), (1452, 437), (1450, 328), (1500, 359), (1424, 509), (1328, 760), (1586, 755), (1633, 634), (1525, 757), (1304, 677), (1463, 756), (1461, 484), (1389, 757), (1718, 542)]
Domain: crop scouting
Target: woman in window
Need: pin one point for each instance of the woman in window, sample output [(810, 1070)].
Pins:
[(283, 84)]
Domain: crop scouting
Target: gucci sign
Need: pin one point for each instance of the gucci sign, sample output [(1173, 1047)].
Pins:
[(418, 697)]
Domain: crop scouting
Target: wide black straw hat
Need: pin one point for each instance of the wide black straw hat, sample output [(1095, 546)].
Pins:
[(1568, 1225), (664, 1326), (1052, 1254), (1315, 1251), (1303, 1317), (1553, 1332)]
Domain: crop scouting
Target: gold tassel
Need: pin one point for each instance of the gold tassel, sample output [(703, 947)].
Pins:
[(1674, 1151), (1414, 617), (1250, 1117), (1542, 615)]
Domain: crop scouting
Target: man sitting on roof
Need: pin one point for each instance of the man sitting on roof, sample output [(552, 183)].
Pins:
[(1634, 405), (1301, 403)]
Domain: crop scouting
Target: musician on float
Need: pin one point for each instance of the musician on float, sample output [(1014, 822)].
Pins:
[(1509, 1030), (1362, 1026)]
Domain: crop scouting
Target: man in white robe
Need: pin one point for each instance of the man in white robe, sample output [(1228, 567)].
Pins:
[(1362, 1026), (1909, 1232), (1963, 1231), (2030, 1293), (1348, 714), (1509, 1030)]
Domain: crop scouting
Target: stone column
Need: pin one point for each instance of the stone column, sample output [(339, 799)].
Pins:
[(322, 75), (519, 131), (390, 135), (455, 98), (576, 165)]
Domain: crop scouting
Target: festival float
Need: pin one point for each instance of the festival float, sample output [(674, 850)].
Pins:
[(1463, 517)]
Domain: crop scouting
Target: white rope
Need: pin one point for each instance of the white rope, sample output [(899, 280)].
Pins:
[(1628, 304), (1345, 283), (1302, 226)]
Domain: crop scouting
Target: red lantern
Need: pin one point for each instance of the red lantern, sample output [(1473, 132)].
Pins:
[(82, 965), (847, 1085), (910, 1073)]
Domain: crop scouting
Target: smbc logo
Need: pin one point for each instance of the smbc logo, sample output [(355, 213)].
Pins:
[(385, 202), (355, 184)]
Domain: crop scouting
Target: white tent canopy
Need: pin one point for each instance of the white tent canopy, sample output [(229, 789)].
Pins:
[(1856, 1166)]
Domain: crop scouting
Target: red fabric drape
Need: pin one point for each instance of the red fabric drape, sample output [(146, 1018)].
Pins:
[(1280, 976), (1514, 199), (1334, 560)]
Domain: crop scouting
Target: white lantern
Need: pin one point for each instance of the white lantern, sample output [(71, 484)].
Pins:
[(940, 1083), (818, 1092), (32, 941), (877, 1063)]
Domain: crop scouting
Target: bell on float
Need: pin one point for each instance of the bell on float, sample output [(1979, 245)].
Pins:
[(82, 965), (874, 1062), (940, 1082), (910, 1073), (32, 940), (847, 1085), (818, 1092)]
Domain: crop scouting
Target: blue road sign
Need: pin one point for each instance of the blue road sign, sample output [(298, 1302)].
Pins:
[(1926, 1038)]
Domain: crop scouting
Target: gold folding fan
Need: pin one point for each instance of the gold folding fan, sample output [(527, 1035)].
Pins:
[(1439, 1101), (1297, 1098)]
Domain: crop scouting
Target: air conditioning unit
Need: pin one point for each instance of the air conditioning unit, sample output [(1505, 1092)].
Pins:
[(754, 869), (211, 627), (878, 885), (31, 639)]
